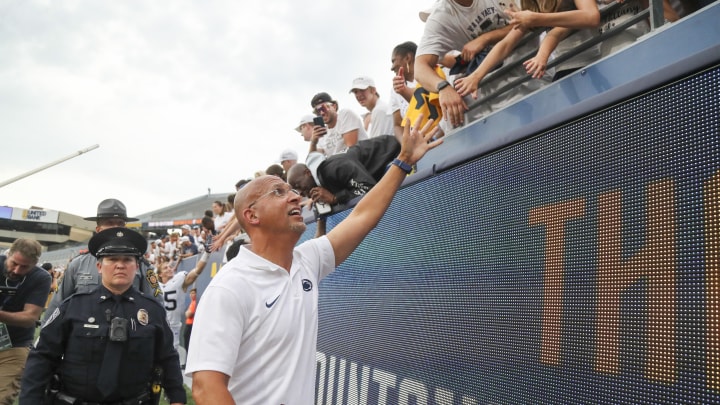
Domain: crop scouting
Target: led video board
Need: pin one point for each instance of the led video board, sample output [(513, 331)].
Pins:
[(578, 266)]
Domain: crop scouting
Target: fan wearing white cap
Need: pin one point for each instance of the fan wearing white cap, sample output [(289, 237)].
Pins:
[(186, 230), (187, 247), (306, 127), (287, 159), (381, 117)]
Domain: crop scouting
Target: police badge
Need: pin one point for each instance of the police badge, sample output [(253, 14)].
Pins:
[(142, 317)]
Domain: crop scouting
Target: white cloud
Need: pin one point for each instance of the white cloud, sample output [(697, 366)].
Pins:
[(182, 96)]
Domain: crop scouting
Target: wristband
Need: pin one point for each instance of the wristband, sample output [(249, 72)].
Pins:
[(204, 257), (441, 85), (403, 166)]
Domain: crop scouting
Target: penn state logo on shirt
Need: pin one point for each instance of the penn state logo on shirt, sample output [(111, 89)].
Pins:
[(307, 284)]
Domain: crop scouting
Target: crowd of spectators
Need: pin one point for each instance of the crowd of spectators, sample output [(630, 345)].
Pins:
[(434, 85), (464, 41), (446, 75)]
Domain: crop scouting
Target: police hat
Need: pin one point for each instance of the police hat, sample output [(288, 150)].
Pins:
[(117, 242), (111, 208)]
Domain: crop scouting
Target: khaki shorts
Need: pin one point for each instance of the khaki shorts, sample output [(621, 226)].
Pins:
[(12, 364)]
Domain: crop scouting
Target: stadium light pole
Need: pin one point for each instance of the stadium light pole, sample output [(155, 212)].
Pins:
[(41, 168)]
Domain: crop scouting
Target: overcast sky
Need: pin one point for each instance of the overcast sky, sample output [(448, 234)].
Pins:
[(180, 95)]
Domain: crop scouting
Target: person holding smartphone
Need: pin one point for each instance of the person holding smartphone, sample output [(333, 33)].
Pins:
[(342, 129)]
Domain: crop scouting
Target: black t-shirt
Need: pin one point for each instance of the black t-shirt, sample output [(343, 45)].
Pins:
[(32, 289)]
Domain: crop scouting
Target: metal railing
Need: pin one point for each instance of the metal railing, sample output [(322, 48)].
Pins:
[(654, 13)]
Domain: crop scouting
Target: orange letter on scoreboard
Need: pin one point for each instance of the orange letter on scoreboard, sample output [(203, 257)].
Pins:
[(712, 278), (554, 218), (656, 262)]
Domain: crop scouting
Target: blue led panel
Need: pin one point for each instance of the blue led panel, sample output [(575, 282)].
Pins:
[(580, 265)]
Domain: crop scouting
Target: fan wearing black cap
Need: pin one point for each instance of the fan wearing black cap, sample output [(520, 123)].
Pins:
[(81, 274), (344, 127), (105, 345)]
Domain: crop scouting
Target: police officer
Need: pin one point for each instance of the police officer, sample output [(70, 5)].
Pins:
[(105, 345), (81, 274)]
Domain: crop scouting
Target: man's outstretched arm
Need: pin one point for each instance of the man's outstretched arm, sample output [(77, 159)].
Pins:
[(348, 234), (195, 273)]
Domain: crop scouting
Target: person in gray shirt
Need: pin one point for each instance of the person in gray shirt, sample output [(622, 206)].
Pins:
[(82, 273)]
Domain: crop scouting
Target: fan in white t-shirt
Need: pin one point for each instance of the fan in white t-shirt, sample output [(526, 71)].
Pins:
[(174, 287)]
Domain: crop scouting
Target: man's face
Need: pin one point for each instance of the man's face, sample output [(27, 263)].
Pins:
[(363, 96), (287, 164), (193, 294), (277, 207), (328, 112), (106, 223), (18, 266), (302, 181), (306, 130), (217, 209), (117, 272), (166, 273)]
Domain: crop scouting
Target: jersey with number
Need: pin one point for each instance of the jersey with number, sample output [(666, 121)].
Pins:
[(174, 298)]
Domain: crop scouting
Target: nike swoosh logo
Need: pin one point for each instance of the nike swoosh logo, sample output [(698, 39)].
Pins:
[(270, 304)]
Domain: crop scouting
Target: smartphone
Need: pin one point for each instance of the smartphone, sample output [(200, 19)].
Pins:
[(321, 208), (319, 121)]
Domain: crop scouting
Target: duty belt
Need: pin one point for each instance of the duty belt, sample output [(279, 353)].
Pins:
[(70, 400)]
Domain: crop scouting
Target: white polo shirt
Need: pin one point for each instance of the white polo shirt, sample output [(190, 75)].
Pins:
[(258, 324)]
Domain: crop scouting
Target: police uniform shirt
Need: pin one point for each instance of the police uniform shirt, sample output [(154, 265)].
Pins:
[(32, 289), (82, 275), (74, 338)]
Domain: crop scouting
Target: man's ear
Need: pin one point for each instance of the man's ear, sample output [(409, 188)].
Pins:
[(250, 216), (98, 264)]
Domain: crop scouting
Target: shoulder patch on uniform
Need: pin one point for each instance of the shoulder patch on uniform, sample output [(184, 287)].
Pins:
[(152, 278), (52, 317)]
